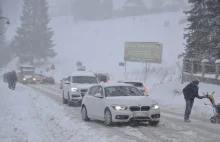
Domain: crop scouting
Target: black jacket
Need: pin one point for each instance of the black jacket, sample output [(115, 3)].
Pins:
[(191, 91)]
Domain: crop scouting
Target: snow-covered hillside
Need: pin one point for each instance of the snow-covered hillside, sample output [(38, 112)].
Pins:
[(100, 45)]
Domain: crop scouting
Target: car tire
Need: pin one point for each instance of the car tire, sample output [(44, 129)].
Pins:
[(69, 102), (154, 123), (64, 100), (84, 113), (107, 117)]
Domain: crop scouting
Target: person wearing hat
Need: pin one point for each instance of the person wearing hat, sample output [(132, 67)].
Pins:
[(190, 92)]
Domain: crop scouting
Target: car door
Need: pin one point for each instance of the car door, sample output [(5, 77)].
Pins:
[(99, 104), (90, 100)]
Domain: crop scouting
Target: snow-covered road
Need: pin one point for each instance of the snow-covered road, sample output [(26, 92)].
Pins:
[(171, 127), (36, 114)]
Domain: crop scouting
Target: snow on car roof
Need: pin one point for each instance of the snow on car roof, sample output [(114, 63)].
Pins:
[(83, 73), (130, 81), (114, 84)]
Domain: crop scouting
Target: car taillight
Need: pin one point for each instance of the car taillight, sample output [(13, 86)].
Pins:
[(108, 81), (45, 78)]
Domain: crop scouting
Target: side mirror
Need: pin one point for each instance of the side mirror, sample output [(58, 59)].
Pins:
[(98, 95), (67, 82)]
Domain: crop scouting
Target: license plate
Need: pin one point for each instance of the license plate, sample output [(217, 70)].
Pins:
[(140, 114)]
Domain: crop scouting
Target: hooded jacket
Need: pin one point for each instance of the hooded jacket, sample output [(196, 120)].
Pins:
[(191, 91)]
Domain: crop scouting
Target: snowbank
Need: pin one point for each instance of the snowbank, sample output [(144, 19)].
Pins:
[(28, 116)]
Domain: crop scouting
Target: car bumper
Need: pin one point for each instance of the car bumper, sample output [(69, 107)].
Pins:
[(141, 116), (76, 98)]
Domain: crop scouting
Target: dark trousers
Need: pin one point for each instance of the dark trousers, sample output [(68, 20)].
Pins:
[(189, 105), (11, 85)]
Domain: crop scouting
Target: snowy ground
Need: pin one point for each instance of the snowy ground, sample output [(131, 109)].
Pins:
[(36, 114)]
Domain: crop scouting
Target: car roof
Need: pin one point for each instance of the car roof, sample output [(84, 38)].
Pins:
[(83, 73), (27, 66), (114, 84), (130, 81)]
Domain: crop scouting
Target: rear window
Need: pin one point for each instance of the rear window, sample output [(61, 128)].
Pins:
[(136, 84)]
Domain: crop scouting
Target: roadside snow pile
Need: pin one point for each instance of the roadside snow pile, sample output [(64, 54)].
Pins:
[(28, 116)]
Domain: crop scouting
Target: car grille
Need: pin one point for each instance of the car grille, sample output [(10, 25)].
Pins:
[(141, 108), (83, 92)]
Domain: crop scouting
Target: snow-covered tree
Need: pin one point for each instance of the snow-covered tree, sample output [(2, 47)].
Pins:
[(203, 35), (107, 8), (33, 39), (213, 7), (2, 29), (197, 38)]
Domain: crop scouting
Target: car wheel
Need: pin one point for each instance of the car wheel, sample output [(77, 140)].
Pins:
[(154, 123), (64, 100), (84, 113), (69, 102), (108, 117)]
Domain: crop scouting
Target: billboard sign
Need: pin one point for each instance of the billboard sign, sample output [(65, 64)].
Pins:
[(150, 52)]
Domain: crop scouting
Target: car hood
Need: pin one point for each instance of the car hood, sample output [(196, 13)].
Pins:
[(82, 86), (130, 101)]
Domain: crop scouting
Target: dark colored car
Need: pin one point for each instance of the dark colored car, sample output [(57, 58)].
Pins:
[(46, 79), (103, 77)]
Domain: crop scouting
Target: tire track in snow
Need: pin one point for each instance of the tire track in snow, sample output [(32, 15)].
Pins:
[(171, 128), (75, 114)]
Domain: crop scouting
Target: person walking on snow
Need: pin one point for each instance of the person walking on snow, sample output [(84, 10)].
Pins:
[(190, 92), (12, 80)]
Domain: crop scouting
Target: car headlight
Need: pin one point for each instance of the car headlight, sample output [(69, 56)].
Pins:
[(74, 89), (34, 78), (155, 106), (119, 107), (24, 78)]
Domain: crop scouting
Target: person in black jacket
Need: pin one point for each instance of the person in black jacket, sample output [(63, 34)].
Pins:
[(191, 91)]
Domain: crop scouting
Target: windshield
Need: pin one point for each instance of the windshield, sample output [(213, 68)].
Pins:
[(28, 73), (117, 91), (84, 80), (136, 84)]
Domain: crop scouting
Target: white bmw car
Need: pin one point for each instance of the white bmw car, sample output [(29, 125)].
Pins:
[(119, 102)]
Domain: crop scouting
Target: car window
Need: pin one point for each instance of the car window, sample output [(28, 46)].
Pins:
[(92, 90), (136, 84), (99, 90), (116, 91), (84, 79)]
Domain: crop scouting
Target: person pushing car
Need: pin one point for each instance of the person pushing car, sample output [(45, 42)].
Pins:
[(190, 92)]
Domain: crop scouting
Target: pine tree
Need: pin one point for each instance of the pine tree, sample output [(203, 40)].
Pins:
[(42, 33), (2, 29), (197, 38), (107, 8), (213, 7), (33, 38)]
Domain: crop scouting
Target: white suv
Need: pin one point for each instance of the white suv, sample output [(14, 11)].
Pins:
[(76, 86)]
